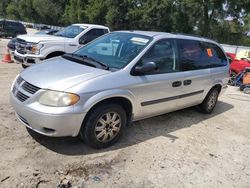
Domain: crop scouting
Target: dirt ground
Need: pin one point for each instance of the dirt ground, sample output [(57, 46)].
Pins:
[(179, 149)]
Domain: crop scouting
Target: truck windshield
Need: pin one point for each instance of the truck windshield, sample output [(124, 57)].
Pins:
[(116, 49), (70, 31)]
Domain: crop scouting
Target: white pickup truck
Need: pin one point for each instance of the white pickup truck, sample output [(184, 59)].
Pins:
[(32, 49)]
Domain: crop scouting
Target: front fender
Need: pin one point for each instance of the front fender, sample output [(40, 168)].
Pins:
[(50, 48), (92, 101)]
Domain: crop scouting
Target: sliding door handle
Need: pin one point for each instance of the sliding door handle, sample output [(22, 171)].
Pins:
[(187, 82), (176, 84)]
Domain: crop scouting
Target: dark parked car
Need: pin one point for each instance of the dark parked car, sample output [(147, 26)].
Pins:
[(11, 28), (47, 31)]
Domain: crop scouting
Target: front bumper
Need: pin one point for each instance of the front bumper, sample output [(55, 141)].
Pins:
[(49, 124), (27, 59)]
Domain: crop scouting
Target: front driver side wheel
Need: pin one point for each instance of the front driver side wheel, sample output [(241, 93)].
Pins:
[(104, 125)]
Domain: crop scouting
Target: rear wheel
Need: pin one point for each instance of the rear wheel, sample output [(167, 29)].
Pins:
[(104, 125), (210, 101)]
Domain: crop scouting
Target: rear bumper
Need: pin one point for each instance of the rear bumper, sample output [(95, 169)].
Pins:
[(54, 125)]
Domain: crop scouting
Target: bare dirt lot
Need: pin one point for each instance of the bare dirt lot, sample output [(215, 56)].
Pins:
[(179, 149)]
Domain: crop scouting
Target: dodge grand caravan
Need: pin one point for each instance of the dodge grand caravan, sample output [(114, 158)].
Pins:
[(118, 78)]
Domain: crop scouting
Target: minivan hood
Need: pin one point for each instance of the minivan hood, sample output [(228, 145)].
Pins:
[(40, 38), (60, 74)]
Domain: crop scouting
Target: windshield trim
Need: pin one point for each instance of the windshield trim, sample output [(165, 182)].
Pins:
[(73, 25), (150, 39)]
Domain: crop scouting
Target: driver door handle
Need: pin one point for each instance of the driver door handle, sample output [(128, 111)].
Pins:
[(187, 82)]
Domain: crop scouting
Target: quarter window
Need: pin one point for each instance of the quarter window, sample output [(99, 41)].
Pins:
[(163, 54), (216, 56)]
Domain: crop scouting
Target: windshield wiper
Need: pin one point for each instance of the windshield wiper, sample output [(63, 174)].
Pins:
[(105, 66), (90, 61)]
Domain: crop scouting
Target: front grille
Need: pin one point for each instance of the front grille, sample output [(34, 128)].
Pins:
[(23, 90), (21, 46), (14, 90), (30, 88), (21, 97), (19, 80)]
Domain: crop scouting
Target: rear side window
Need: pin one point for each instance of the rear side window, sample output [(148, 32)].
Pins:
[(192, 55), (216, 56), (105, 31), (93, 34)]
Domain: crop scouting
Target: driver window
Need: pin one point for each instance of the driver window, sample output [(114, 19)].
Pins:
[(163, 54)]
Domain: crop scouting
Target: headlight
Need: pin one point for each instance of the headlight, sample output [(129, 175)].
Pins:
[(33, 48), (58, 99)]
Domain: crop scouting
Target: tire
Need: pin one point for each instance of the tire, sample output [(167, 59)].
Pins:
[(54, 54), (96, 134), (210, 101), (15, 35), (25, 66), (233, 74)]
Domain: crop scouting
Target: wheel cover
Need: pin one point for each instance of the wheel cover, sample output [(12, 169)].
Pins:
[(212, 100), (107, 127)]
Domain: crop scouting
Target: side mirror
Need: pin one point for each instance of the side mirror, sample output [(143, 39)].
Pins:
[(146, 68), (83, 41)]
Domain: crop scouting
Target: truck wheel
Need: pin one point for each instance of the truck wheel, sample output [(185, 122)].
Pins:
[(209, 102), (104, 126), (25, 66)]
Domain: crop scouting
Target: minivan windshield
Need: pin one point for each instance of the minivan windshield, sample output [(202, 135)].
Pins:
[(70, 31), (116, 49)]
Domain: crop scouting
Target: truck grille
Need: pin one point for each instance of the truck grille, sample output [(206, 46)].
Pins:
[(21, 46), (23, 90)]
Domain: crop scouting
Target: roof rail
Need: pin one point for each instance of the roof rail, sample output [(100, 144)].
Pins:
[(191, 35)]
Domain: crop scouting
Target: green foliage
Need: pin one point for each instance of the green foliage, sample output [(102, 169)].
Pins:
[(96, 11), (74, 12), (226, 21), (11, 10)]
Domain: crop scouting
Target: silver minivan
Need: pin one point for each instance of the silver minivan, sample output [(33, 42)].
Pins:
[(121, 77)]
